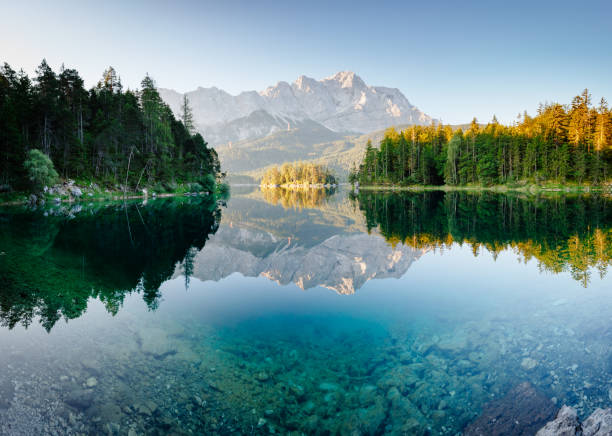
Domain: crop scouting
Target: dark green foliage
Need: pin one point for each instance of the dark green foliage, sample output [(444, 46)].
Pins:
[(108, 135), (52, 265), (561, 144)]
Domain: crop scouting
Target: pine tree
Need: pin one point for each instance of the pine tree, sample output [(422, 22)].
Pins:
[(187, 115)]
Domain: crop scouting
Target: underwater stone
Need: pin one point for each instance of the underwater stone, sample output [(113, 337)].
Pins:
[(528, 363), (80, 399), (262, 376), (523, 411), (328, 386), (454, 344), (155, 341)]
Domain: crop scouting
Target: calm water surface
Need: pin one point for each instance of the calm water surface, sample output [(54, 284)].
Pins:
[(282, 312)]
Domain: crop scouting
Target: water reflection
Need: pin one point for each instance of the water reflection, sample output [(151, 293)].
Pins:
[(297, 198), (428, 337), (54, 260), (564, 233)]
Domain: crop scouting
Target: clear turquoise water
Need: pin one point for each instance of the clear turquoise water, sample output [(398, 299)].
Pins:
[(382, 339)]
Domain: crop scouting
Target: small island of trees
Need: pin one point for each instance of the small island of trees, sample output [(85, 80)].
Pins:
[(562, 144), (298, 174)]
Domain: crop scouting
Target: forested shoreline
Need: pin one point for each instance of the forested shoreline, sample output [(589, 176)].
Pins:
[(118, 139), (563, 144)]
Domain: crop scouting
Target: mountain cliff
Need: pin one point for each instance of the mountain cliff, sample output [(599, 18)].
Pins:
[(306, 120), (341, 103)]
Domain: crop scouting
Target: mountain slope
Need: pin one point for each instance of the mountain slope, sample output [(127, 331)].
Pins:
[(316, 120), (342, 103)]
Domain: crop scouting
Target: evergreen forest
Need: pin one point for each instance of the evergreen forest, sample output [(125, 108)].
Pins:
[(51, 127), (563, 144)]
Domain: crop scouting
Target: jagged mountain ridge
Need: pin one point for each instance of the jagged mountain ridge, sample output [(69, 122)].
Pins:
[(342, 263), (342, 103)]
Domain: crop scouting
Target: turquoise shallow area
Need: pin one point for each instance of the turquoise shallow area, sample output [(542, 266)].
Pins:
[(265, 319)]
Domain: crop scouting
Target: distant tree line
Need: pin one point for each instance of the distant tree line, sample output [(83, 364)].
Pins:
[(105, 134), (298, 173), (562, 143)]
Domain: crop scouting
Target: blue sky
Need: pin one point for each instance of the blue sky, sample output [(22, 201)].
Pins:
[(454, 59)]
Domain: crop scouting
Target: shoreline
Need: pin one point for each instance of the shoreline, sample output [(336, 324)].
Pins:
[(533, 189), (83, 199)]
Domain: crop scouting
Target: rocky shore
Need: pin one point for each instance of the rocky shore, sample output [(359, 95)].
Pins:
[(566, 423)]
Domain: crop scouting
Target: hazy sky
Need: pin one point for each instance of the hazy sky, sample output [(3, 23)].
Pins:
[(454, 60)]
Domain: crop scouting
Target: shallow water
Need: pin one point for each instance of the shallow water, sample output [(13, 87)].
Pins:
[(375, 314)]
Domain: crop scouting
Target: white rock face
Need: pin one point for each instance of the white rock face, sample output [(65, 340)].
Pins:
[(342, 102)]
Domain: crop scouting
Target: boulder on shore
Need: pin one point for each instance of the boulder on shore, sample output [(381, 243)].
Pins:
[(566, 424)]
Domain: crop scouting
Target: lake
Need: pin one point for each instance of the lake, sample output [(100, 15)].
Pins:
[(303, 312)]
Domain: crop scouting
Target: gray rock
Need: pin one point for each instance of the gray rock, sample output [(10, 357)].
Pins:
[(80, 399), (528, 363), (155, 341), (598, 424), (75, 191), (564, 424)]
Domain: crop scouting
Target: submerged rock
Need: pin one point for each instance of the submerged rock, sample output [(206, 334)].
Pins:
[(523, 411), (155, 341), (80, 399), (528, 363)]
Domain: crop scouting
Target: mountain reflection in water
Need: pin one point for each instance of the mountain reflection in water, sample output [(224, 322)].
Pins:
[(54, 260), (456, 301)]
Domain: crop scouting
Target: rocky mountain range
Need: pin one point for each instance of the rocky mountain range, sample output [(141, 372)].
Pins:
[(286, 121), (341, 103)]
